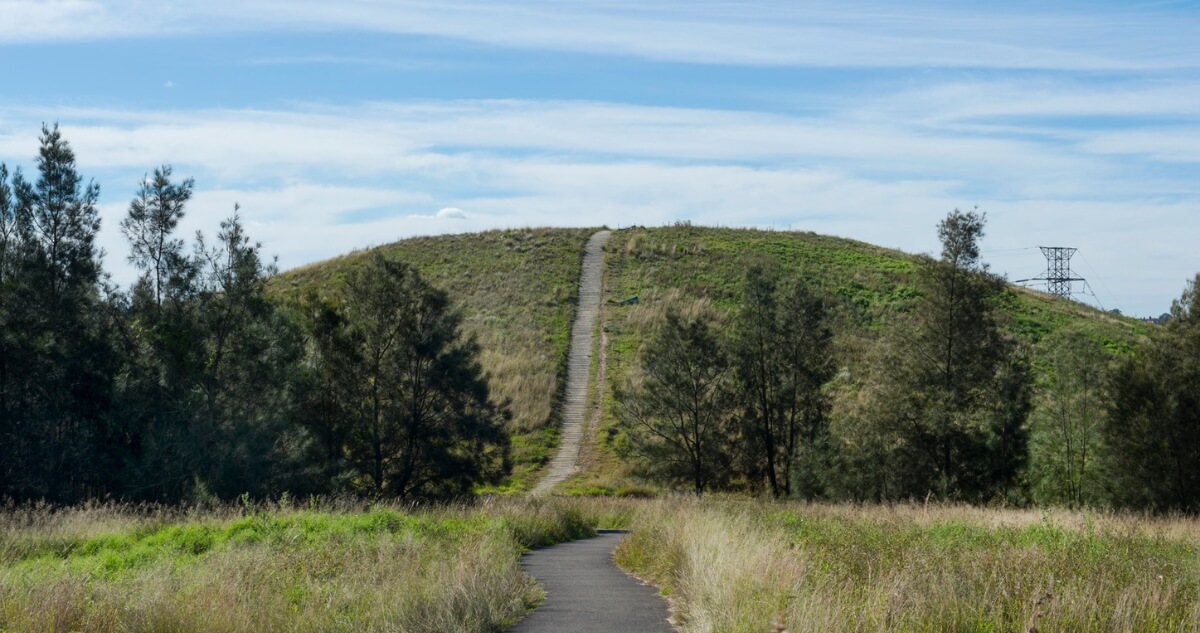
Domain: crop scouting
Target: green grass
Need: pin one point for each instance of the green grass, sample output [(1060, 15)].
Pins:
[(111, 568), (517, 290), (726, 564), (732, 565), (866, 288)]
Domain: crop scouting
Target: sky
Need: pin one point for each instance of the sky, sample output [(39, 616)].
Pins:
[(342, 125)]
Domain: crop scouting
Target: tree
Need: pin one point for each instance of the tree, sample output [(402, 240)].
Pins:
[(57, 361), (150, 225), (957, 391), (206, 392), (1068, 422), (329, 384), (160, 342), (423, 422), (1152, 431), (246, 354), (783, 361), (8, 332), (676, 418)]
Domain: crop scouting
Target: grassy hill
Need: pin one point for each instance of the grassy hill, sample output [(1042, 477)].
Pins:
[(517, 290)]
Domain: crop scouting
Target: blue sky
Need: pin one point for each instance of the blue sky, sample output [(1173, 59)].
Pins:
[(339, 125)]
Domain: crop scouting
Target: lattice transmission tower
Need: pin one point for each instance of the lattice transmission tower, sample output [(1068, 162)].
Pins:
[(1058, 275)]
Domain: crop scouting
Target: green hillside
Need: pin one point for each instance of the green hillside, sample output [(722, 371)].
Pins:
[(865, 287), (517, 290)]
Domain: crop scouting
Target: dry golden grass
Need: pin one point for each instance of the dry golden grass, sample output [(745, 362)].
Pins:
[(517, 291), (728, 564), (745, 566), (340, 568)]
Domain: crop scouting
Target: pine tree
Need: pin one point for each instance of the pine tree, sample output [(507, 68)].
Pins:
[(955, 391), (676, 419), (783, 361), (150, 226), (59, 360), (423, 421), (1152, 431), (8, 332)]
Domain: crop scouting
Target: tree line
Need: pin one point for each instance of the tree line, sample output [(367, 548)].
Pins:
[(946, 406), (196, 383)]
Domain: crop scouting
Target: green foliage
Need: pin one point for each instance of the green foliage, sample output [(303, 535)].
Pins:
[(414, 416), (676, 414), (205, 394), (1152, 431), (782, 351), (1066, 428), (953, 390), (56, 360), (515, 290), (872, 298)]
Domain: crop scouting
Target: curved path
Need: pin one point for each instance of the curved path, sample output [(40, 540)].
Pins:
[(579, 361), (586, 593)]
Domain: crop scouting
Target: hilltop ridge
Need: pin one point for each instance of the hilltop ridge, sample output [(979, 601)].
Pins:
[(517, 289)]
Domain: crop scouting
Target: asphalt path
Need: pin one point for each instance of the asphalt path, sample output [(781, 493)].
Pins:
[(586, 593)]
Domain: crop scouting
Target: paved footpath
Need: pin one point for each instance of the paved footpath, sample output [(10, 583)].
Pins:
[(579, 362), (586, 593)]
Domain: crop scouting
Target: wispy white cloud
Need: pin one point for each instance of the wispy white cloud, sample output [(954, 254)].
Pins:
[(1177, 144), (1083, 36), (318, 181)]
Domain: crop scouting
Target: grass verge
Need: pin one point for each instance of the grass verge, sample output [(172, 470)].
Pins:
[(331, 568), (745, 566)]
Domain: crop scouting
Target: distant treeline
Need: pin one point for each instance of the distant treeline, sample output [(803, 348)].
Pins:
[(194, 383)]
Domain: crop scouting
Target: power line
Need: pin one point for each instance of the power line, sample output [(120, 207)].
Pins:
[(1007, 250), (1101, 279)]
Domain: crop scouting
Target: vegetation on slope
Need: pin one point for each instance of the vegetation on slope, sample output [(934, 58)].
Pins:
[(867, 290), (517, 291), (865, 285)]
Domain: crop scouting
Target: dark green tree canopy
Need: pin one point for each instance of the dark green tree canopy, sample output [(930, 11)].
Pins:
[(954, 390), (782, 346), (1152, 433), (423, 421), (676, 419)]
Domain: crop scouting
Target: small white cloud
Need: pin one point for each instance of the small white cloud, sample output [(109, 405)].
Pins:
[(452, 213), (169, 85)]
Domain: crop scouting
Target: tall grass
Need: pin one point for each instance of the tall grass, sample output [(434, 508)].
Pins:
[(744, 566), (727, 564), (517, 289), (133, 569)]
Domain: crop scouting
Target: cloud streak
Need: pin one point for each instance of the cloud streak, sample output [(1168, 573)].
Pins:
[(1084, 36), (318, 181)]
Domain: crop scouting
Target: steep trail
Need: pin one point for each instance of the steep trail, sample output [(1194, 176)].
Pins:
[(579, 362)]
